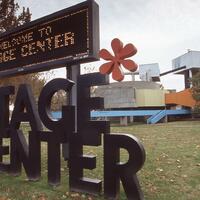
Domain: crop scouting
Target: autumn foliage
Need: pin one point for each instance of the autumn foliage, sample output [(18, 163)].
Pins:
[(12, 16), (196, 91)]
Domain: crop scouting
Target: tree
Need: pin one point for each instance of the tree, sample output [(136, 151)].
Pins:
[(196, 91), (36, 81), (10, 17), (59, 99)]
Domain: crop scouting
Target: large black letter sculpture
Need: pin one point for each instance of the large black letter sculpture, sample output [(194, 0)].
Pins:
[(114, 170), (59, 129), (88, 133), (25, 111), (5, 93)]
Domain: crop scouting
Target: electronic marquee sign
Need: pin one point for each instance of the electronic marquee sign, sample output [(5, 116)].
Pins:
[(65, 37)]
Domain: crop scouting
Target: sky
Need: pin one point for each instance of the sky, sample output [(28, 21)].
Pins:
[(160, 29)]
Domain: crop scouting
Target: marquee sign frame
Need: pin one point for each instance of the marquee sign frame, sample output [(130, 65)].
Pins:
[(61, 39)]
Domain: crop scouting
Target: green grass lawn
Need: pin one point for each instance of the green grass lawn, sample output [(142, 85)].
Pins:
[(171, 170)]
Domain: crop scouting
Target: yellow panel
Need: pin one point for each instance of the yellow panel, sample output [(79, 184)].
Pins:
[(148, 97)]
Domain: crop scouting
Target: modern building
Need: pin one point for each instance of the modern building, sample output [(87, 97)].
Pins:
[(148, 94)]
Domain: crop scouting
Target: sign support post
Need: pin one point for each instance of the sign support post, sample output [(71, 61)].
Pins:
[(72, 72)]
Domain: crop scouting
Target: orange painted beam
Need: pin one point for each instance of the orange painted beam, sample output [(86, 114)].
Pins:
[(183, 98)]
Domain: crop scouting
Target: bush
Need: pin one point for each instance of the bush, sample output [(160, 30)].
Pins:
[(196, 92)]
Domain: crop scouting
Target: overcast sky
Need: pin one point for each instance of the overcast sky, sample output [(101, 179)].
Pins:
[(160, 29)]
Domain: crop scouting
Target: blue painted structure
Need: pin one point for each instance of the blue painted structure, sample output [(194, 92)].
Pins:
[(155, 115), (56, 114), (123, 113), (163, 113)]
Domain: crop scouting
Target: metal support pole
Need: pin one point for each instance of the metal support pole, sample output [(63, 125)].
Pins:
[(72, 74), (187, 82)]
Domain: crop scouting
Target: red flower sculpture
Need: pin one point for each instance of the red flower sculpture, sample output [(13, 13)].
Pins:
[(114, 64)]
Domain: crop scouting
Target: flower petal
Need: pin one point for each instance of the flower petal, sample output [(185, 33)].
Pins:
[(117, 46), (128, 51), (105, 54), (129, 64), (106, 68), (117, 73)]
